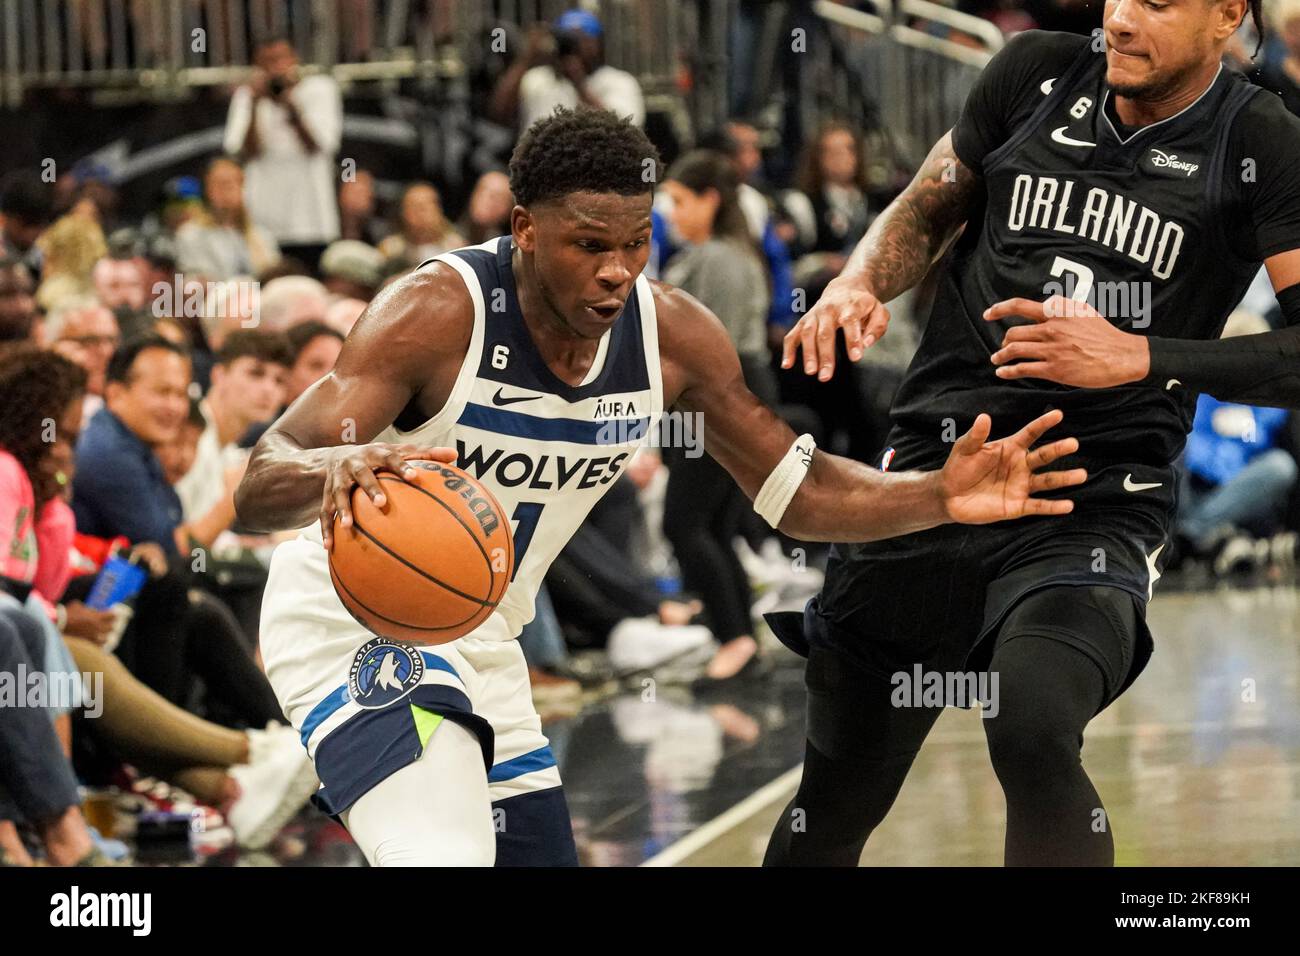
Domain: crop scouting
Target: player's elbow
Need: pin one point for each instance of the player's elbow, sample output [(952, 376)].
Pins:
[(247, 512), (797, 521)]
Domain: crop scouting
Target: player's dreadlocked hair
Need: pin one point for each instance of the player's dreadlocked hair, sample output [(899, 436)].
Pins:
[(583, 150), (1257, 18)]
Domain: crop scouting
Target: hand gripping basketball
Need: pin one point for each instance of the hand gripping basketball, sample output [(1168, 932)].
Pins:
[(427, 559), (355, 465)]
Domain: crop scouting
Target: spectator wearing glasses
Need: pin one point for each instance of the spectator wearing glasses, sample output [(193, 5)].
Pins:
[(85, 331)]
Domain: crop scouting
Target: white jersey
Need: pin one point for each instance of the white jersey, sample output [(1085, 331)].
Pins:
[(547, 450)]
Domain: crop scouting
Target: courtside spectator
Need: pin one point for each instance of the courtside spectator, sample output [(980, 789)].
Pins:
[(315, 347), (18, 314), (120, 285), (85, 331), (423, 229), (26, 209), (358, 209), (120, 487), (223, 241), (69, 250), (289, 300), (488, 214), (352, 269), (704, 508), (1236, 482), (248, 385)]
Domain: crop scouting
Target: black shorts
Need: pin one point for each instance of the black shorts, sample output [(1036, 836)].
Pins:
[(935, 598)]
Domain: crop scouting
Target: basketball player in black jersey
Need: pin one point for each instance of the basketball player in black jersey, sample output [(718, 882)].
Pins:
[(1119, 196)]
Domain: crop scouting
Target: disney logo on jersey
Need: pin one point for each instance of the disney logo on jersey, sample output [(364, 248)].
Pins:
[(383, 671), (481, 507), (1158, 159), (542, 473)]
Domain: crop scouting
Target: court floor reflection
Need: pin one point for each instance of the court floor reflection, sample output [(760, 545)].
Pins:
[(1198, 764)]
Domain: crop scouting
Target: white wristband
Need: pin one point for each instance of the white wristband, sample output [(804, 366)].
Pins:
[(778, 491)]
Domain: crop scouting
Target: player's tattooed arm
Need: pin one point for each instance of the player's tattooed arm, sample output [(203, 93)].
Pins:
[(839, 499), (408, 345), (895, 254), (914, 230)]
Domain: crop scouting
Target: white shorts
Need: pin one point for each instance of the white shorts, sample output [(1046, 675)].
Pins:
[(365, 705)]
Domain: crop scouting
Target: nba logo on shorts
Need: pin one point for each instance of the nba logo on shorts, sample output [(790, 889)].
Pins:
[(384, 671)]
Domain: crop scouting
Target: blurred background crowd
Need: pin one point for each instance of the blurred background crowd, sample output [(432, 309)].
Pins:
[(165, 296)]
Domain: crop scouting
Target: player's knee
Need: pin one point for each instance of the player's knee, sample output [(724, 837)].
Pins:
[(1026, 747), (449, 849)]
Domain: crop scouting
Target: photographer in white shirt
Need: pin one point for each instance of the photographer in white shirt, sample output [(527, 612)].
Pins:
[(565, 66), (287, 128)]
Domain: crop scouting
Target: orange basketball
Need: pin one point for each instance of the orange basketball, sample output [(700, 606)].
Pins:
[(429, 566)]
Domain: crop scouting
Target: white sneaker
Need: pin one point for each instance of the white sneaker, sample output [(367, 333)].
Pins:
[(1238, 555), (277, 780), (642, 643)]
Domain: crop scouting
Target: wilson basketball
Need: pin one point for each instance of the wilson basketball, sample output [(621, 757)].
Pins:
[(429, 566)]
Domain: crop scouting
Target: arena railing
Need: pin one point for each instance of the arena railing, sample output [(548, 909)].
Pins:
[(910, 66), (161, 49)]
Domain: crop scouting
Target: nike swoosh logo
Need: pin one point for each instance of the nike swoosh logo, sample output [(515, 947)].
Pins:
[(1130, 485), (1171, 383), (1047, 86), (1059, 136), (497, 399)]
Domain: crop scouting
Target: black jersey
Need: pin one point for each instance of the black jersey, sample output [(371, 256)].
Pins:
[(1161, 227)]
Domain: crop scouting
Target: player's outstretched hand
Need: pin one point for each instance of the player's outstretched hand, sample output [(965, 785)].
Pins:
[(843, 305), (985, 481), (1069, 342), (353, 465)]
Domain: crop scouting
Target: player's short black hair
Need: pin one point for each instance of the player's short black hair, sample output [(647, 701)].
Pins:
[(123, 360), (582, 150), (1257, 17)]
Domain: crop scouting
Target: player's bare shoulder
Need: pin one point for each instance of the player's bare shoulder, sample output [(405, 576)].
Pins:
[(421, 315)]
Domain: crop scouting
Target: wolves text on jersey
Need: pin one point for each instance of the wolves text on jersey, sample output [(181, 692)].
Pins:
[(544, 473)]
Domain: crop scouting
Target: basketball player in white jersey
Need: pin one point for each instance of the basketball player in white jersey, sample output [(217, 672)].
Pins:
[(538, 362)]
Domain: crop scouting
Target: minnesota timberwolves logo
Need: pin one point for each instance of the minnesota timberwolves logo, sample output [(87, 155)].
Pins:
[(384, 671)]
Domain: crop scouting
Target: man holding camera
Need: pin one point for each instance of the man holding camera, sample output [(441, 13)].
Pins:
[(565, 66), (286, 128)]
